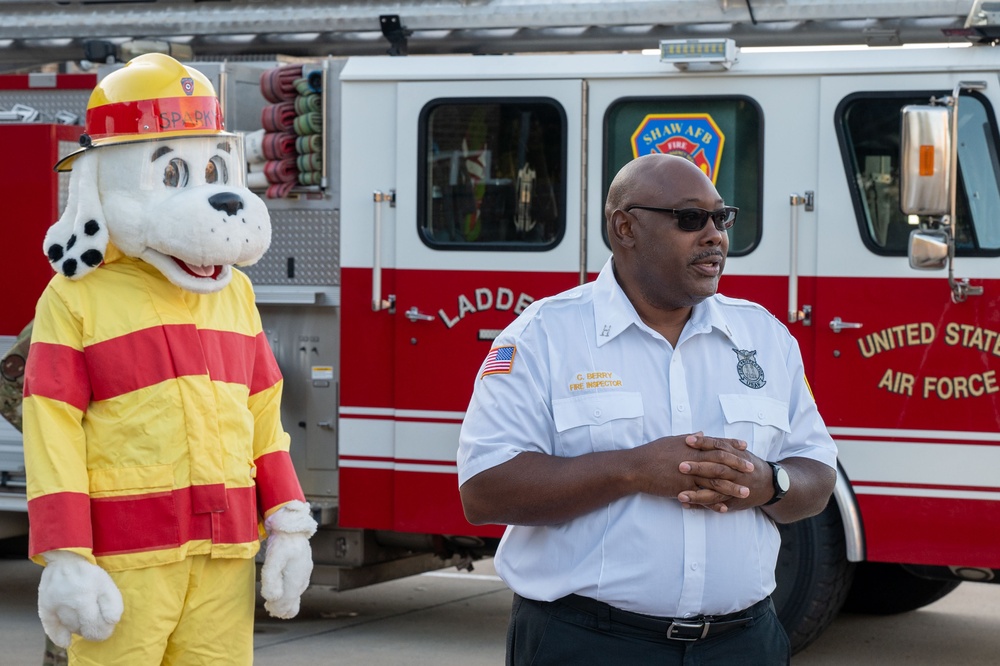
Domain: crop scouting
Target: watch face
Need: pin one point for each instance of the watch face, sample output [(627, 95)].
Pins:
[(781, 477)]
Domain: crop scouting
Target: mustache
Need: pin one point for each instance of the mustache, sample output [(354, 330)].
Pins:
[(706, 254)]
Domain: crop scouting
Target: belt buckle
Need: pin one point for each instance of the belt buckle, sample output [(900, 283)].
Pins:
[(677, 626)]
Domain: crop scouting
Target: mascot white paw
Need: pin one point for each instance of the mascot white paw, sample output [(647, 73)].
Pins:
[(287, 559), (77, 597)]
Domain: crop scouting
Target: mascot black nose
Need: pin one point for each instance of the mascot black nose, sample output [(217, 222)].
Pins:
[(226, 201)]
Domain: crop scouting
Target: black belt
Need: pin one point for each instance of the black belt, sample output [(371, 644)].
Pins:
[(678, 629)]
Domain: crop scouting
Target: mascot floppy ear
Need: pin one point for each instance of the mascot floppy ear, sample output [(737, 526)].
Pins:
[(76, 243)]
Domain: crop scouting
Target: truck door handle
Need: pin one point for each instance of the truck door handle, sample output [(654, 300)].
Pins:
[(839, 325), (413, 314)]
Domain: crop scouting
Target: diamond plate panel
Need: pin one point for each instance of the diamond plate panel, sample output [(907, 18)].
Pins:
[(65, 148), (48, 102), (305, 249)]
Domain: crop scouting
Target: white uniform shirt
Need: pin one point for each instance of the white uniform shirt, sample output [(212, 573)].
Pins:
[(588, 375)]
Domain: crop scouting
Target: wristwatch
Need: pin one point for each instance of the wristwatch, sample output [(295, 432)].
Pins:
[(781, 482)]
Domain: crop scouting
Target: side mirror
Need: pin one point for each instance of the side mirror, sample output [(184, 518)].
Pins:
[(928, 249), (925, 164)]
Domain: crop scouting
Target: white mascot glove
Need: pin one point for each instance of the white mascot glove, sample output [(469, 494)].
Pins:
[(77, 597), (287, 559)]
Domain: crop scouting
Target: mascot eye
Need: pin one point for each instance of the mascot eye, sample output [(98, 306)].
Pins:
[(216, 171), (176, 173)]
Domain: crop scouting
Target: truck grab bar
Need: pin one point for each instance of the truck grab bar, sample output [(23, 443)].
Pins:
[(379, 303), (960, 287), (795, 314)]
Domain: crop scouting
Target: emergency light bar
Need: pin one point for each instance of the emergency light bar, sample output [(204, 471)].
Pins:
[(699, 53)]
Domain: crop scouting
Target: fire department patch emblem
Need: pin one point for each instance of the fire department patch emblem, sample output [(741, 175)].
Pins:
[(694, 136), (187, 85), (747, 368)]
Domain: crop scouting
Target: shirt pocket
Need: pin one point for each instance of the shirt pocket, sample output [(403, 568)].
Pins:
[(760, 421), (597, 422)]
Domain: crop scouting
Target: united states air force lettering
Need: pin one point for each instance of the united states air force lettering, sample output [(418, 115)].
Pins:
[(958, 384)]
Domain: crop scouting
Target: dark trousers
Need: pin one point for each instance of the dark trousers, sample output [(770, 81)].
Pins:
[(554, 633)]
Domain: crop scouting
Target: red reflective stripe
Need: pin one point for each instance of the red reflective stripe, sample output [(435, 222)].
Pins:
[(152, 116), (276, 481), (167, 352), (143, 358), (59, 520), (165, 520), (230, 356), (265, 368), (57, 372)]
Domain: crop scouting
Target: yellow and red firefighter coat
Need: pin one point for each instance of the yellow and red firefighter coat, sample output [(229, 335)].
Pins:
[(152, 423)]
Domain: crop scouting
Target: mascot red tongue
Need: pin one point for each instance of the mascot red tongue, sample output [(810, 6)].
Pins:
[(155, 454)]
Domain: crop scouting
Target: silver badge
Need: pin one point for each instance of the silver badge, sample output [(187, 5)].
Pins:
[(750, 373)]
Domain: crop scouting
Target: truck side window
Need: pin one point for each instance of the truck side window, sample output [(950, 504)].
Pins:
[(492, 174), (722, 135), (868, 126)]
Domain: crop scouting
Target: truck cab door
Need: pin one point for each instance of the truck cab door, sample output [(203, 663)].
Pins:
[(905, 377), (483, 220)]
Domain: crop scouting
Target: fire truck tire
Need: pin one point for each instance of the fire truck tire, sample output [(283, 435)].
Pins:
[(886, 589), (813, 576)]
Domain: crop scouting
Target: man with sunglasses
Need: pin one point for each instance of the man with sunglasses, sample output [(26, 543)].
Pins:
[(641, 435)]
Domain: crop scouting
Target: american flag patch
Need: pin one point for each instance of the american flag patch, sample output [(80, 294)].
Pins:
[(499, 361)]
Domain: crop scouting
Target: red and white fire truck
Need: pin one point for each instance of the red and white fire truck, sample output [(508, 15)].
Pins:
[(456, 190)]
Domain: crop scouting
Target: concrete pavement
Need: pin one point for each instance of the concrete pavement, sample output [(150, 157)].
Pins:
[(439, 618), (452, 617)]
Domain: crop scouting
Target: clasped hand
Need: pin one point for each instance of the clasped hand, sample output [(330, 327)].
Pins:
[(701, 471)]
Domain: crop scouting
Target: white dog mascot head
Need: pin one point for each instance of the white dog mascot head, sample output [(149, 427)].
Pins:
[(160, 179)]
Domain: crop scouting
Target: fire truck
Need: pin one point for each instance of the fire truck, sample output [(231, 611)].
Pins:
[(450, 192)]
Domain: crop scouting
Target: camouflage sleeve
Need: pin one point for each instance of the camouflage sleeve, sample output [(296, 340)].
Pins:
[(12, 377)]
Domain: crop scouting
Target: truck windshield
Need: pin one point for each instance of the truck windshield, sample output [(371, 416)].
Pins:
[(868, 125)]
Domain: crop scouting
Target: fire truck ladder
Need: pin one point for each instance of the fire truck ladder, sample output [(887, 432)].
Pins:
[(34, 33)]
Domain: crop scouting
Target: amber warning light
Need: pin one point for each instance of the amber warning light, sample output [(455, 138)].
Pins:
[(926, 160)]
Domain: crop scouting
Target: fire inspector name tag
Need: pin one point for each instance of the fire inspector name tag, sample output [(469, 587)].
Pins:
[(751, 374)]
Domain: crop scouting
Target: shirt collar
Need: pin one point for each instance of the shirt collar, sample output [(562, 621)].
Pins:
[(707, 315), (613, 312)]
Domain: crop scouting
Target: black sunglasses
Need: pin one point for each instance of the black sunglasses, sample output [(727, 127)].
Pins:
[(695, 219)]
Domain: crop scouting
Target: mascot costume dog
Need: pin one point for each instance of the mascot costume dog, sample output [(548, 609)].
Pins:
[(155, 454)]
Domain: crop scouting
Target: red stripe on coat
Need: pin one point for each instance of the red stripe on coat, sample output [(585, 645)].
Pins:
[(57, 372), (168, 352), (276, 481), (59, 520), (265, 368), (147, 357), (137, 523), (144, 358), (230, 356), (157, 521)]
